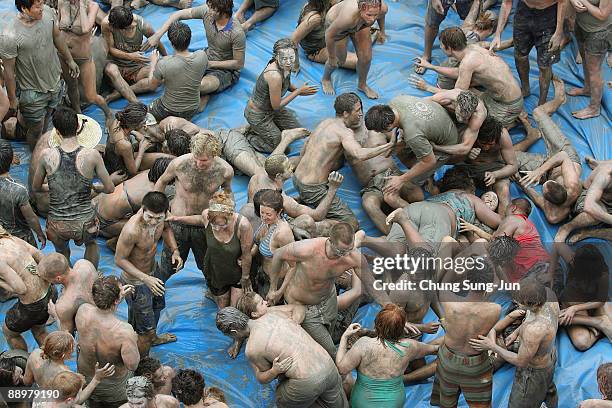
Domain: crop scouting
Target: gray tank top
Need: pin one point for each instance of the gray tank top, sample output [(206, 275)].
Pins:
[(127, 44), (69, 190), (261, 92), (315, 40)]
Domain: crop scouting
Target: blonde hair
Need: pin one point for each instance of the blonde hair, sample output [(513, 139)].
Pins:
[(205, 144), (220, 205), (57, 345)]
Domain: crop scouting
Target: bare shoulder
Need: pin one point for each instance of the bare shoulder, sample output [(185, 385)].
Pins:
[(84, 314), (272, 75), (84, 266), (166, 401)]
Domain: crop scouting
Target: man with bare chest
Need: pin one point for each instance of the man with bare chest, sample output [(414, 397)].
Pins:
[(104, 338), (141, 394), (537, 354), (77, 282), (312, 283), (324, 148), (477, 66), (460, 367), (197, 176), (135, 255), (278, 347), (19, 274)]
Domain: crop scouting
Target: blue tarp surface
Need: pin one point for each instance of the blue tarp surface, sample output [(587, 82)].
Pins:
[(191, 316)]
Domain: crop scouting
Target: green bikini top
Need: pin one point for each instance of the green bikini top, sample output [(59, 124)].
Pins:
[(396, 349)]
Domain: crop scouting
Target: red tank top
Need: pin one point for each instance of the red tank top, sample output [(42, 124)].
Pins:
[(531, 251)]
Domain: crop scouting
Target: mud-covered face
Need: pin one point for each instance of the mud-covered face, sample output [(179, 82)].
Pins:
[(285, 58), (369, 14), (219, 223), (203, 162), (355, 116), (153, 219), (137, 402)]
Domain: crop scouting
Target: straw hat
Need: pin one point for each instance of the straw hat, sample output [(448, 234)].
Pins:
[(89, 133)]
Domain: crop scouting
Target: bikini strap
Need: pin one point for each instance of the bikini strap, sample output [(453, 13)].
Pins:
[(395, 348)]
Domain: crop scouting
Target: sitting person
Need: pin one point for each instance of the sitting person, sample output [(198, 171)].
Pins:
[(69, 388), (586, 312), (115, 209), (226, 44), (128, 68), (380, 361), (604, 382), (229, 239), (181, 75), (279, 347), (263, 10), (119, 153), (16, 214), (266, 111), (310, 34)]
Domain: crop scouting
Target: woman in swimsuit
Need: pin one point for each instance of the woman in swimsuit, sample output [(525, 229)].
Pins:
[(273, 233), (380, 361), (77, 18)]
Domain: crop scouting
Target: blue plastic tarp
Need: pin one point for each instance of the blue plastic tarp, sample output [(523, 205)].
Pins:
[(191, 316)]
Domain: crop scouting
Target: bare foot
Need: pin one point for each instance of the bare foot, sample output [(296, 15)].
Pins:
[(163, 339), (359, 237), (578, 59), (591, 162), (559, 86), (295, 134), (587, 113), (328, 87), (184, 4), (579, 92), (369, 92)]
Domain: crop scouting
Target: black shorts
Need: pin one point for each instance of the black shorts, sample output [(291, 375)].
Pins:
[(21, 318), (433, 19), (535, 28), (160, 112)]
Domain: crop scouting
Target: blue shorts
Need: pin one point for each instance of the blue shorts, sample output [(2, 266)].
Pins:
[(144, 308)]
